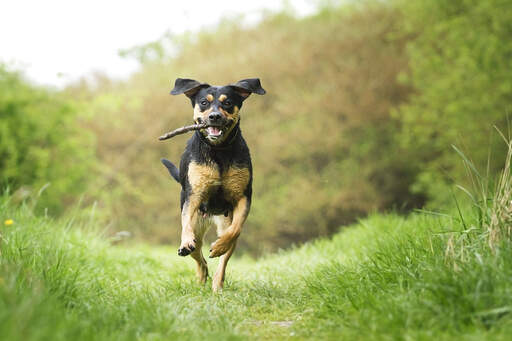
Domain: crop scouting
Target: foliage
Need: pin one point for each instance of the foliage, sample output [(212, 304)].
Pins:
[(461, 70), (43, 154), (364, 101)]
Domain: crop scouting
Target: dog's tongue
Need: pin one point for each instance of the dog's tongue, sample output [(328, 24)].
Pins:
[(215, 131)]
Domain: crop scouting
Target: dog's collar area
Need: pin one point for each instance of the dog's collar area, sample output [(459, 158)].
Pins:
[(225, 144)]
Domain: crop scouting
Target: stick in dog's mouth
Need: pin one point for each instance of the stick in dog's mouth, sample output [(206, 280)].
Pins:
[(184, 130)]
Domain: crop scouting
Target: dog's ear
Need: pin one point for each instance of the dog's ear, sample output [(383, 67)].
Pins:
[(245, 87), (187, 86)]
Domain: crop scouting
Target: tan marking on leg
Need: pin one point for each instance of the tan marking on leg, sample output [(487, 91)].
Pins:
[(220, 274), (234, 184), (188, 223), (222, 223), (230, 235), (202, 266), (222, 98), (209, 98), (203, 179)]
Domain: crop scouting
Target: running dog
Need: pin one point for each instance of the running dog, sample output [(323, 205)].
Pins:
[(215, 172)]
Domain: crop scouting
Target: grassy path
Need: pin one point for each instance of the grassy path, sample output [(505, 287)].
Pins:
[(386, 278)]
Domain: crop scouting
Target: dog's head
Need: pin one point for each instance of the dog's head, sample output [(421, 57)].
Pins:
[(218, 106)]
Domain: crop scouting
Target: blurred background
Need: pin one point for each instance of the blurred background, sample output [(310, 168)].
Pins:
[(364, 102)]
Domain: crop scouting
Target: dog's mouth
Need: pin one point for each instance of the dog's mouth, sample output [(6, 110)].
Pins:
[(214, 132)]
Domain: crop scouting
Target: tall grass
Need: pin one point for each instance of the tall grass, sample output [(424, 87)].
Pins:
[(447, 280), (491, 200), (500, 221)]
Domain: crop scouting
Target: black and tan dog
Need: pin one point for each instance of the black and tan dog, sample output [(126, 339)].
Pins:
[(215, 172)]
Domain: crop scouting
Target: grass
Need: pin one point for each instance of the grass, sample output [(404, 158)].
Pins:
[(419, 277), (388, 277)]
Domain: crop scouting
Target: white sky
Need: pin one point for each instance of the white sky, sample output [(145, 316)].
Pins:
[(56, 41)]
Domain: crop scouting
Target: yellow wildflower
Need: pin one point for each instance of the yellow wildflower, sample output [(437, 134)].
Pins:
[(8, 222)]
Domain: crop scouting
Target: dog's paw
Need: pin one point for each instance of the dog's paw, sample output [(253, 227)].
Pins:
[(187, 248), (220, 247)]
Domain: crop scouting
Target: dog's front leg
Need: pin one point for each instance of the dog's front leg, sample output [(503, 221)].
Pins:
[(228, 239), (202, 178), (188, 223)]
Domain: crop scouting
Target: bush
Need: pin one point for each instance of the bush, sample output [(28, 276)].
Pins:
[(43, 153), (460, 62)]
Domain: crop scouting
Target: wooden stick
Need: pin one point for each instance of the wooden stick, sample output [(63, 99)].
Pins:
[(183, 130)]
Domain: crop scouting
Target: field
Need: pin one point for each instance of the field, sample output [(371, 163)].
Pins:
[(388, 277)]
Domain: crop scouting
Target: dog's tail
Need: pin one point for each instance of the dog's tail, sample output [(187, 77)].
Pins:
[(173, 170)]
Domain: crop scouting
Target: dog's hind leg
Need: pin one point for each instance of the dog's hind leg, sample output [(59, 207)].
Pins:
[(230, 234), (220, 274), (197, 254), (222, 224), (202, 266)]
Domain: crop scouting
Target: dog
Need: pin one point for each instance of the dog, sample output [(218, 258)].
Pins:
[(215, 172)]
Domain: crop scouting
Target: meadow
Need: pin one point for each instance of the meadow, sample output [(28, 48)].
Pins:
[(388, 277)]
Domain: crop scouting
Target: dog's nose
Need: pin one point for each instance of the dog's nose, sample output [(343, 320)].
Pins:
[(214, 116)]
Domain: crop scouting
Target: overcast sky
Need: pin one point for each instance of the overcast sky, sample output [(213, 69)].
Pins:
[(56, 41)]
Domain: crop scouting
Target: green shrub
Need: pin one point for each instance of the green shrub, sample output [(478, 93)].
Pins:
[(43, 153), (461, 69)]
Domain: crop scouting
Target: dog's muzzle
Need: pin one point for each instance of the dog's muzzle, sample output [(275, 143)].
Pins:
[(218, 122)]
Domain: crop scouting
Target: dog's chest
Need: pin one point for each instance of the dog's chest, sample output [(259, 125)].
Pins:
[(206, 179)]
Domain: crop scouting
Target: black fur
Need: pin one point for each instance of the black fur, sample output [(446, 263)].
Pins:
[(232, 153), (173, 170), (250, 85), (187, 86)]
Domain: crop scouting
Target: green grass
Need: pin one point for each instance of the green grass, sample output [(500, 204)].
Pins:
[(388, 277)]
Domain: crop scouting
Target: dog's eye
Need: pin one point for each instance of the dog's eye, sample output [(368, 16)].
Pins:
[(227, 103), (204, 102)]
